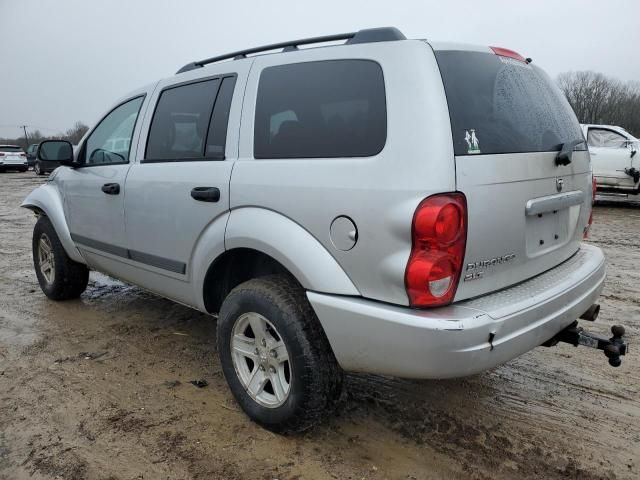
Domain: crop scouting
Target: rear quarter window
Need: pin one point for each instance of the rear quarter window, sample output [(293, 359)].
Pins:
[(325, 109), (501, 105)]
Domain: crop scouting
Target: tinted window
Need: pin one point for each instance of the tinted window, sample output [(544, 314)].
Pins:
[(181, 120), (110, 141), (601, 137), (10, 148), (501, 105), (331, 108)]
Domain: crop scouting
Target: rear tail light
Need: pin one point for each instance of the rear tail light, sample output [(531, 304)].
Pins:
[(439, 235), (594, 188), (1, 154), (23, 154), (505, 52)]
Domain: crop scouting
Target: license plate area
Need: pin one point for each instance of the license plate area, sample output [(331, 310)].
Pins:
[(548, 231)]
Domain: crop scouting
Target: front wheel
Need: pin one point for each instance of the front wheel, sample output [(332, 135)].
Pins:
[(275, 355), (60, 278)]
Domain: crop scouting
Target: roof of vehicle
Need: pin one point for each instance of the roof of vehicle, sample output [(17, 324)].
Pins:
[(459, 46), (369, 35)]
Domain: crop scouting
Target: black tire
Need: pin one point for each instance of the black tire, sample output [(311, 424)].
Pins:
[(69, 278), (37, 168), (315, 377), (23, 170)]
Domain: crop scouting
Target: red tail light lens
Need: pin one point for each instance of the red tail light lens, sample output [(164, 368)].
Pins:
[(1, 154), (439, 235), (23, 154), (505, 52), (594, 188)]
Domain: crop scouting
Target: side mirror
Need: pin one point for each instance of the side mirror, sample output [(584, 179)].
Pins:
[(59, 151)]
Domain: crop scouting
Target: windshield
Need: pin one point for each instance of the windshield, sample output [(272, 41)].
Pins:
[(501, 105)]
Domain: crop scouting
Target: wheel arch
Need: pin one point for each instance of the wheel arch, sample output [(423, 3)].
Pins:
[(260, 242), (45, 200)]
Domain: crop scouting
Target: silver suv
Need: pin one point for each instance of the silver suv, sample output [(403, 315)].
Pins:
[(391, 206)]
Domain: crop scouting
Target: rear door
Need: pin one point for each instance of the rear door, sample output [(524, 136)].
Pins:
[(180, 184), (610, 156), (526, 214)]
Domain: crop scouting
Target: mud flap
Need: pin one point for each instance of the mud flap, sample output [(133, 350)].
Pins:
[(613, 347)]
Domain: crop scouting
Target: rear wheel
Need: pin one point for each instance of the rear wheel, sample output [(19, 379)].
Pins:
[(60, 278), (38, 169), (275, 356)]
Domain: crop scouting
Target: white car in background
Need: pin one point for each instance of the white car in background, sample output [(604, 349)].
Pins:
[(616, 165), (12, 157)]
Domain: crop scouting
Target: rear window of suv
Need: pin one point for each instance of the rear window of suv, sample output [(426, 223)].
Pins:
[(10, 148), (502, 105), (332, 108)]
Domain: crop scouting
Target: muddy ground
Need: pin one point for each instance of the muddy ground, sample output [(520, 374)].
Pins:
[(98, 388)]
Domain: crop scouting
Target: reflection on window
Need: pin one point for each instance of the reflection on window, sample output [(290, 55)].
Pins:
[(110, 141), (600, 137)]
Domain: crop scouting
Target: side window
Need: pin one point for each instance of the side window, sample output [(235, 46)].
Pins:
[(101, 147), (333, 108), (601, 137), (190, 122)]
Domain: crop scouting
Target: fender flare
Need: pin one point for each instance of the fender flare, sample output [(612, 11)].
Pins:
[(291, 245), (46, 199)]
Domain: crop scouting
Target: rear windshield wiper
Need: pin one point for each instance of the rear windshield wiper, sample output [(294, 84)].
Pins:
[(566, 151)]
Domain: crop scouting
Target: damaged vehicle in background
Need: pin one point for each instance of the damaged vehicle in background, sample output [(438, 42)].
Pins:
[(336, 216), (614, 158)]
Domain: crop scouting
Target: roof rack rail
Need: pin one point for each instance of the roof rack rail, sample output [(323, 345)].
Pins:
[(369, 35)]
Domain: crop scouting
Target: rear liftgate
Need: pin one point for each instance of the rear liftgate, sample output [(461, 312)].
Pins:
[(613, 347)]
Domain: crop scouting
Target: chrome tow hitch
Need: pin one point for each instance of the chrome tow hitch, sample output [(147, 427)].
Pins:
[(613, 347)]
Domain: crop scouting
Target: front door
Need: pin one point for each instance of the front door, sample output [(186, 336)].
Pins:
[(610, 157), (180, 185), (94, 190)]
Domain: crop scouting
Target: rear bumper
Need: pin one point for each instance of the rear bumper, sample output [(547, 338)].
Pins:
[(16, 165), (453, 341)]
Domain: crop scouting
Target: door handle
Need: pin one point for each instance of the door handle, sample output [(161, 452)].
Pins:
[(206, 194), (111, 188)]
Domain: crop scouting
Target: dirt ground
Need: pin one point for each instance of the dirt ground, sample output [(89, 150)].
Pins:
[(98, 388)]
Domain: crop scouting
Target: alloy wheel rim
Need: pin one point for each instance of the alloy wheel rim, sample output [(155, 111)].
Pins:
[(45, 259), (261, 360)]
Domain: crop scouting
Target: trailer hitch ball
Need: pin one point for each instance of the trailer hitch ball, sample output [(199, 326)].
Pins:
[(612, 350), (618, 331), (613, 354)]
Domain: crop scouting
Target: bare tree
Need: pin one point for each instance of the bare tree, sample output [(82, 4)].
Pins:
[(75, 133), (596, 98)]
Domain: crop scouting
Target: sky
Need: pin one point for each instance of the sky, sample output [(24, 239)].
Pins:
[(63, 61)]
